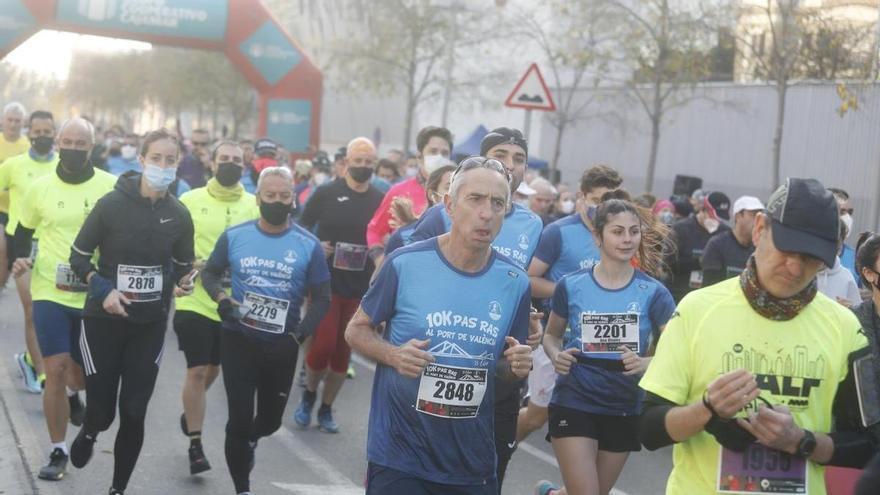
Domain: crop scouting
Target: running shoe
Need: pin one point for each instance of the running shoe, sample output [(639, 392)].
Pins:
[(56, 468), (325, 421), (545, 487), (183, 427), (114, 491), (77, 410), (351, 374), (198, 463), (303, 414), (28, 373), (82, 448)]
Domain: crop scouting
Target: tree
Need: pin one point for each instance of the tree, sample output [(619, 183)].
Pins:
[(576, 40), (665, 43)]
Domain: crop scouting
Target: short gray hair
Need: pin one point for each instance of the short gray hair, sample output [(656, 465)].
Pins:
[(283, 172), (472, 163), (78, 120), (14, 107)]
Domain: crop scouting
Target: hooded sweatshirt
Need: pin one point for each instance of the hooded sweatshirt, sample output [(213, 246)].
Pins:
[(838, 283)]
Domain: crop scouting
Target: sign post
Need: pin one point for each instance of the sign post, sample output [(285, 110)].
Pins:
[(531, 93)]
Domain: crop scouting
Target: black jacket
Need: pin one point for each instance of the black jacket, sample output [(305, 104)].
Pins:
[(128, 229)]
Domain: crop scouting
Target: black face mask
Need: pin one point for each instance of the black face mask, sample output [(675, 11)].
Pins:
[(274, 213), (74, 161), (360, 174), (228, 174), (42, 144)]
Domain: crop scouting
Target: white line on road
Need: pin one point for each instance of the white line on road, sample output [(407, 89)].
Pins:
[(527, 448), (316, 464), (301, 489)]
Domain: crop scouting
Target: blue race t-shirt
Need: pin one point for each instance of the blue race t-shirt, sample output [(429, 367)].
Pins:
[(440, 427), (848, 261), (602, 323), (567, 246), (271, 275), (518, 239), (401, 237)]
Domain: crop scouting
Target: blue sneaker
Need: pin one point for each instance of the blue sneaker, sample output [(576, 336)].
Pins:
[(545, 487), (303, 414), (325, 421), (28, 374)]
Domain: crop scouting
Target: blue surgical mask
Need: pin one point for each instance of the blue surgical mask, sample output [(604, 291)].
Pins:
[(159, 178)]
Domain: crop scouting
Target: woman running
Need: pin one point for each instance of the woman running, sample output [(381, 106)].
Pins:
[(616, 313), (144, 240)]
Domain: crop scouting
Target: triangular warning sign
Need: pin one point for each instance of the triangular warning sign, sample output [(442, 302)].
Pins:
[(531, 92)]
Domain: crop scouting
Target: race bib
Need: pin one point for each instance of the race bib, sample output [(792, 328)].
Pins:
[(696, 280), (67, 281), (350, 257), (264, 313), (759, 469), (606, 333), (139, 283), (451, 392)]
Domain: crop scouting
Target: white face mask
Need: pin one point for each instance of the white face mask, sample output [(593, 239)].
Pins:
[(412, 171), (433, 162), (320, 178), (128, 152), (847, 220), (711, 225), (567, 206)]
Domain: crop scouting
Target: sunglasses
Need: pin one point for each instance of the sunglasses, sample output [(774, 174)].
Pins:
[(481, 162)]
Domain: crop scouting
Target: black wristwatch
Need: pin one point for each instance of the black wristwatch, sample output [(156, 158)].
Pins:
[(806, 446)]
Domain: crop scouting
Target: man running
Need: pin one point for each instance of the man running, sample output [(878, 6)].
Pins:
[(431, 416), (221, 204), (16, 175), (518, 240), (12, 143), (57, 205), (753, 375), (340, 211), (274, 265)]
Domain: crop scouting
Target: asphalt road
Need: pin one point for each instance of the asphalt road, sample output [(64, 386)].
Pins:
[(292, 461)]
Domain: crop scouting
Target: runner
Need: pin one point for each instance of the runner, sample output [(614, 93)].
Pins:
[(144, 240), (518, 239), (434, 146), (566, 246), (431, 416), (435, 188), (274, 265), (57, 205), (214, 208), (755, 364), (17, 174), (12, 143), (339, 214), (616, 314), (727, 253)]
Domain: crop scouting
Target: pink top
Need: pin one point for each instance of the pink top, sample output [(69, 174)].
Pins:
[(380, 227)]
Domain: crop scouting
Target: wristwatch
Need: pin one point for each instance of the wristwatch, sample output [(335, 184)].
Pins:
[(806, 446)]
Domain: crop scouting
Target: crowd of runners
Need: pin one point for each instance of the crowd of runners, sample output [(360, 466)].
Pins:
[(742, 332)]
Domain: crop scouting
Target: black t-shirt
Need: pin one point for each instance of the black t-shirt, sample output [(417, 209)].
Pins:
[(341, 216), (724, 257), (689, 239)]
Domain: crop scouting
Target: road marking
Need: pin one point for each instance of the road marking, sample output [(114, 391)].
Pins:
[(301, 489), (525, 447), (317, 464)]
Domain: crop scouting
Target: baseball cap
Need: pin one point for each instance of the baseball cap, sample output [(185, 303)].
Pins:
[(718, 205), (805, 219), (525, 189), (747, 203), (263, 145)]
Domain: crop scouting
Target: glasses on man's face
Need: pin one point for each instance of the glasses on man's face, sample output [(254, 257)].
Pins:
[(482, 162)]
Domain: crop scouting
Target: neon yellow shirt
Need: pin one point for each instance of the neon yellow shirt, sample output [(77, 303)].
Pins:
[(57, 210), (798, 363), (9, 149), (211, 217), (16, 175)]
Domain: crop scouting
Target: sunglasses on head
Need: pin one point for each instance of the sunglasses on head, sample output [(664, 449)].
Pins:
[(481, 162)]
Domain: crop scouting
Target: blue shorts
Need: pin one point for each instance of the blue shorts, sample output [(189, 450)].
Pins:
[(58, 328), (383, 480)]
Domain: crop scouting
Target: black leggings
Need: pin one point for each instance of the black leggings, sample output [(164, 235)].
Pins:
[(114, 350), (253, 367)]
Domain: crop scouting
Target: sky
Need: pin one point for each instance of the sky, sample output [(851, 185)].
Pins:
[(49, 52)]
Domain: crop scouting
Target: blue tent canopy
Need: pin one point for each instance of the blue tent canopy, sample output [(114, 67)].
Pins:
[(471, 146)]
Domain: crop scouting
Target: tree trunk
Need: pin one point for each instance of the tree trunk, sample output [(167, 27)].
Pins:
[(656, 118), (781, 93), (410, 108)]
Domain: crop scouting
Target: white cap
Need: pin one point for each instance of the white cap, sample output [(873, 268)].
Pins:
[(524, 189), (748, 203)]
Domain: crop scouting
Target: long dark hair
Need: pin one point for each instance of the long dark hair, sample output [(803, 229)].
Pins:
[(654, 232), (867, 251)]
